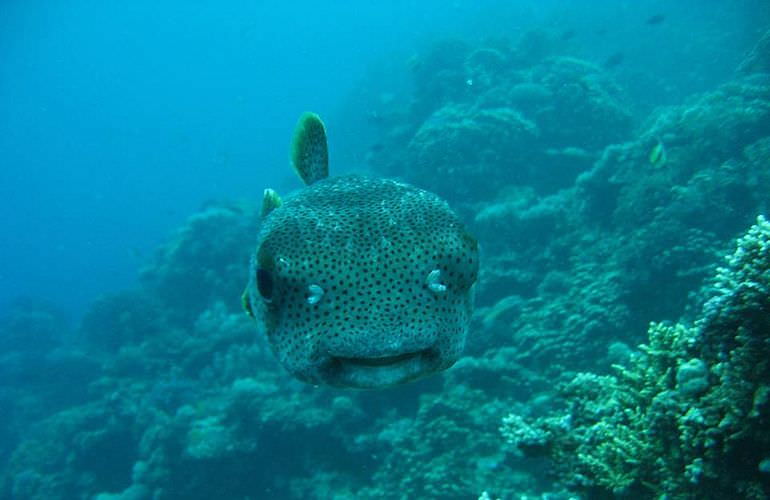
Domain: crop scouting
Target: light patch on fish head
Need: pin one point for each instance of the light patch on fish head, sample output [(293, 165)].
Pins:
[(364, 283)]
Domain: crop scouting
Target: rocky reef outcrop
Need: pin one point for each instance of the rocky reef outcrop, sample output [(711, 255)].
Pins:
[(483, 118)]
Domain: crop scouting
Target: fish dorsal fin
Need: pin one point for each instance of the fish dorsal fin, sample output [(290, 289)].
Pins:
[(309, 154), (270, 201)]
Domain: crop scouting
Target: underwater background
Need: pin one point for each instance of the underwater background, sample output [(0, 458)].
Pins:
[(611, 157)]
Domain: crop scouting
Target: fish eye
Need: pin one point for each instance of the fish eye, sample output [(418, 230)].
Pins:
[(265, 283)]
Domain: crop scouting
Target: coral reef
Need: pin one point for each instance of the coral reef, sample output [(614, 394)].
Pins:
[(449, 447), (686, 416), (116, 320), (205, 262), (40, 371), (518, 113), (631, 239), (463, 146)]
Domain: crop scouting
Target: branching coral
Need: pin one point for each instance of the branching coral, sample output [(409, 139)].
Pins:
[(688, 413)]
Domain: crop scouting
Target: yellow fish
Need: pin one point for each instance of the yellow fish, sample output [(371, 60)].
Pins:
[(658, 154)]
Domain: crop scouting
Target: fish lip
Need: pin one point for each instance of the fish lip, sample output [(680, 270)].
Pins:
[(379, 360), (375, 372)]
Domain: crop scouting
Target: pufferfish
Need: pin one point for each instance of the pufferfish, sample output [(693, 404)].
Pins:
[(359, 282)]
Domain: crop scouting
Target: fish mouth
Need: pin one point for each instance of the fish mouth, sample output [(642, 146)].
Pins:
[(379, 360), (373, 372)]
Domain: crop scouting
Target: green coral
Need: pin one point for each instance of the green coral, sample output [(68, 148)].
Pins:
[(459, 147), (449, 450), (688, 412), (204, 262), (513, 111)]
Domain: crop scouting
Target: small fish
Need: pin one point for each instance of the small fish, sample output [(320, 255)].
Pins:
[(568, 35), (656, 19), (614, 60), (658, 154)]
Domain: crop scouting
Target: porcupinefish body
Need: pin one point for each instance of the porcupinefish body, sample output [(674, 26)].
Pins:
[(360, 282)]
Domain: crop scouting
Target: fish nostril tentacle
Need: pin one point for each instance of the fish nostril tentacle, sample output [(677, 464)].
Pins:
[(434, 283), (315, 293)]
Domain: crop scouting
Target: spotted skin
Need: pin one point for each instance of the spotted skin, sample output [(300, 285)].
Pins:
[(363, 282)]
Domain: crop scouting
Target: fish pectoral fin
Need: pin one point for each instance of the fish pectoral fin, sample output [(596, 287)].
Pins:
[(270, 201), (309, 152), (246, 303)]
